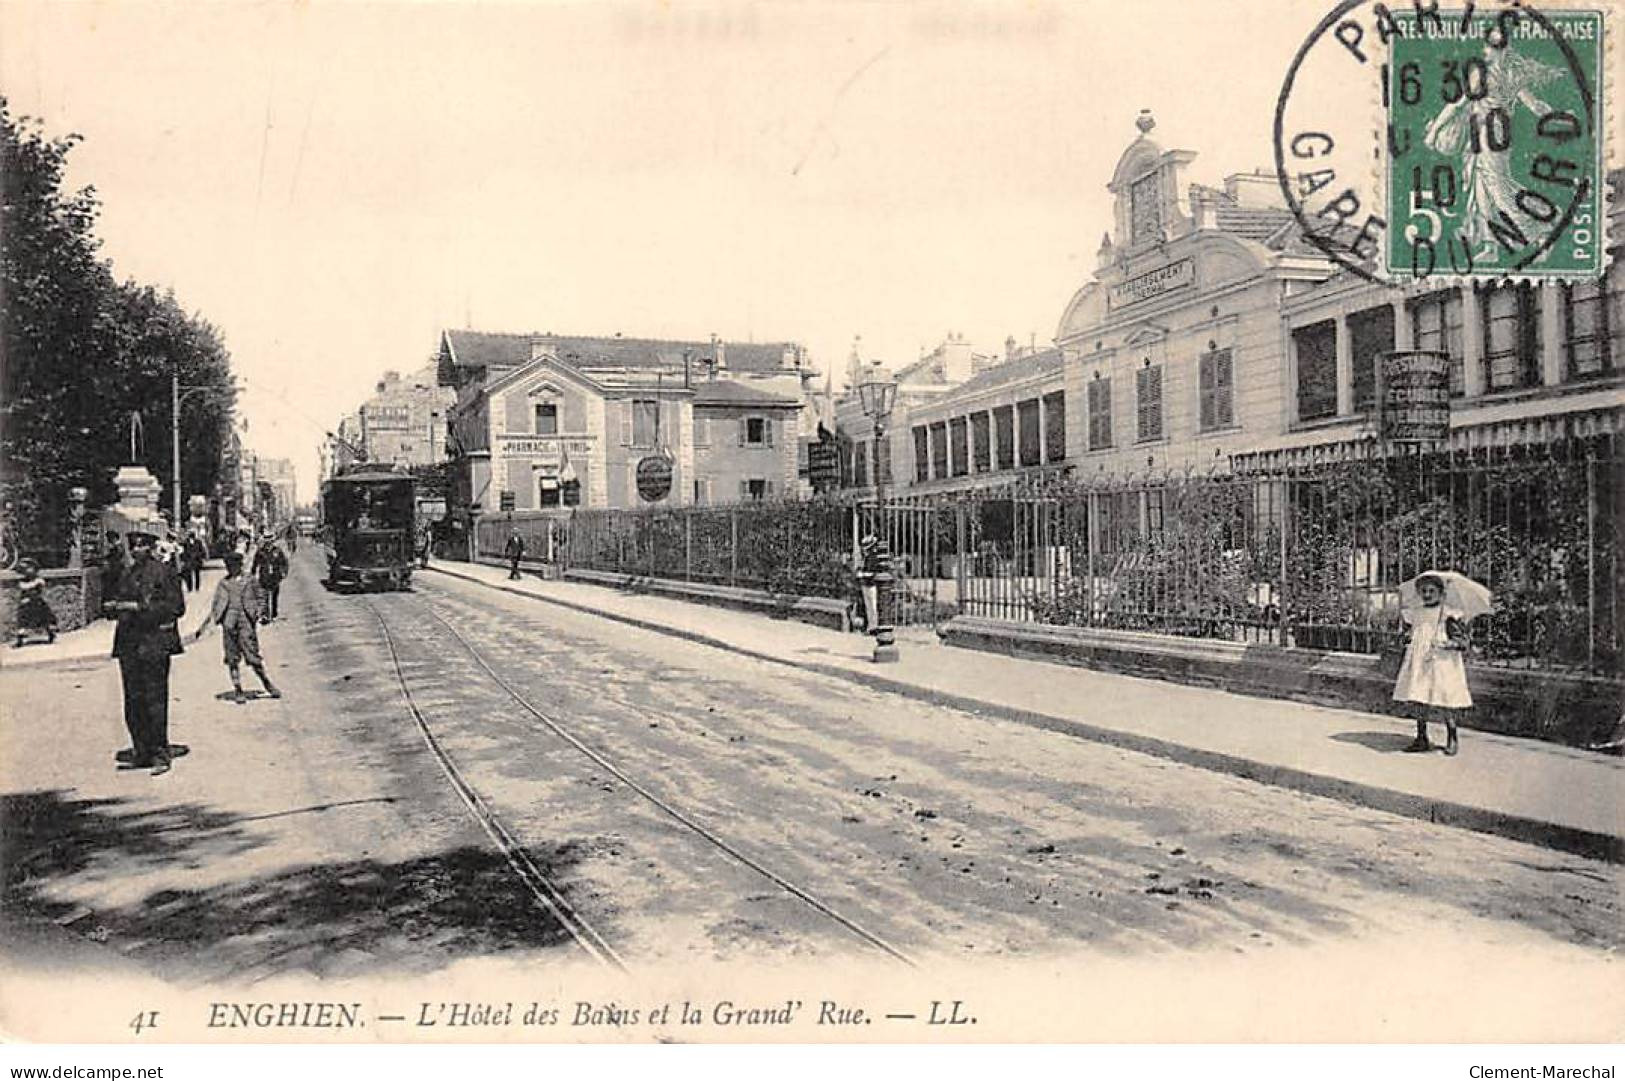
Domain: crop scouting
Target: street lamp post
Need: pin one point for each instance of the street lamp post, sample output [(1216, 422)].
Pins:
[(177, 395), (878, 393)]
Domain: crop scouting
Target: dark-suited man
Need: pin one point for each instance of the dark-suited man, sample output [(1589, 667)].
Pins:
[(515, 551), (148, 603)]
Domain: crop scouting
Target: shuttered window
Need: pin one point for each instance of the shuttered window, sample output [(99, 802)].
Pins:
[(1593, 327), (939, 450), (1100, 414), (981, 436), (1148, 402), (1436, 321), (959, 444), (1217, 389), (1004, 429), (922, 454), (1511, 336), (1027, 432), (755, 431), (547, 419), (1315, 347), (1371, 333), (645, 422), (1055, 426)]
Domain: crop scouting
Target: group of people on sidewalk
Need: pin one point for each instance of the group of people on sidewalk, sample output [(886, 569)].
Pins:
[(148, 600)]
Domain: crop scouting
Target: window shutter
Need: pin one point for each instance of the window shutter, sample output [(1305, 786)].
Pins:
[(767, 430), (767, 489), (744, 489), (626, 423), (1206, 370), (1223, 390), (744, 429)]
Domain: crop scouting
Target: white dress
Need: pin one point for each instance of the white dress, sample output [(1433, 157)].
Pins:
[(1432, 672)]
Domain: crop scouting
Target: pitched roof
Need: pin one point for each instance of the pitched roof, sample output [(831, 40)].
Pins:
[(1044, 362), (479, 349), (732, 392)]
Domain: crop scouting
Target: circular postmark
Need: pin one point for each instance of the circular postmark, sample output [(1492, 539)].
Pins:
[(1418, 142)]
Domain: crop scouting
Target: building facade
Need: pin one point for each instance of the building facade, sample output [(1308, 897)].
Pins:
[(1214, 336), (548, 423), (404, 422)]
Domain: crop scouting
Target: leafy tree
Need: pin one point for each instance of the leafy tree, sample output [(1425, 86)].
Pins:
[(80, 352)]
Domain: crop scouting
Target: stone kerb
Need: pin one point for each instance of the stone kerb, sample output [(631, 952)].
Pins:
[(1571, 709)]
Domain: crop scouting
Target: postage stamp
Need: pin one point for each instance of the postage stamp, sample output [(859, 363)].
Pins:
[(1494, 158)]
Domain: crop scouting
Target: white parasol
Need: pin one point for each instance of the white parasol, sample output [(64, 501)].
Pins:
[(1462, 595)]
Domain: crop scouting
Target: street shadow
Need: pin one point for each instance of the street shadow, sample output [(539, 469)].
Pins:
[(1385, 742), (47, 837), (328, 918)]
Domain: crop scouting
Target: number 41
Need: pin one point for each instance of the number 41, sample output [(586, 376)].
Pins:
[(145, 1020)]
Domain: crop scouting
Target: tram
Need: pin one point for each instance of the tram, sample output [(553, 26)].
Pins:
[(368, 519)]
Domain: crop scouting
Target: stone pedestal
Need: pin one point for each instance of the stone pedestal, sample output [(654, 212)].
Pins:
[(137, 508)]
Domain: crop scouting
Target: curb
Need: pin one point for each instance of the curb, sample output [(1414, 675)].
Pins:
[(1592, 844)]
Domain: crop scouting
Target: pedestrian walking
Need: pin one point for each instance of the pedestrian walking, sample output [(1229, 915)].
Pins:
[(423, 540), (238, 608), (270, 567), (515, 551), (148, 603), (1438, 606), (33, 613), (193, 553)]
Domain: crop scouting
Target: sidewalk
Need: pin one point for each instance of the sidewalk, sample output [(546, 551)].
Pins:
[(1528, 790), (94, 641)]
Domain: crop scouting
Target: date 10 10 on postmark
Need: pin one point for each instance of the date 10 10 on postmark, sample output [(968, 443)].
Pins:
[(1494, 155)]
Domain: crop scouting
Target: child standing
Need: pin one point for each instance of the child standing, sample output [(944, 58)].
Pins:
[(1434, 672), (33, 613), (238, 606)]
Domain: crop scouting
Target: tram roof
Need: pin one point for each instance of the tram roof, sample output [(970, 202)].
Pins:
[(370, 476)]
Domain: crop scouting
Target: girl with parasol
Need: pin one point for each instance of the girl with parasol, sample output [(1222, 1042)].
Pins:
[(1438, 606)]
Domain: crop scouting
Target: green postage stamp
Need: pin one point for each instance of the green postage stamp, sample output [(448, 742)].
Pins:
[(1495, 144)]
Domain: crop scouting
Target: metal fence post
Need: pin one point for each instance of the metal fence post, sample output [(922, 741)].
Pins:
[(688, 547), (961, 529), (733, 546), (1286, 518), (1089, 524)]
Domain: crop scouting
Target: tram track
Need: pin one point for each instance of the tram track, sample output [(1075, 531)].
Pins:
[(547, 897)]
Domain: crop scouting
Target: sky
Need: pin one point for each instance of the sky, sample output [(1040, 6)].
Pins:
[(333, 184)]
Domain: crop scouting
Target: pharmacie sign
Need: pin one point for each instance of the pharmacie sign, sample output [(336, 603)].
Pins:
[(1415, 396), (546, 451)]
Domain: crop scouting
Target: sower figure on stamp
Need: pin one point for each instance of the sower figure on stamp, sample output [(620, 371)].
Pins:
[(239, 604), (148, 602)]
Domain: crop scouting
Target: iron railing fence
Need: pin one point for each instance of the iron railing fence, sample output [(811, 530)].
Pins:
[(787, 547), (1313, 557), (1308, 557)]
